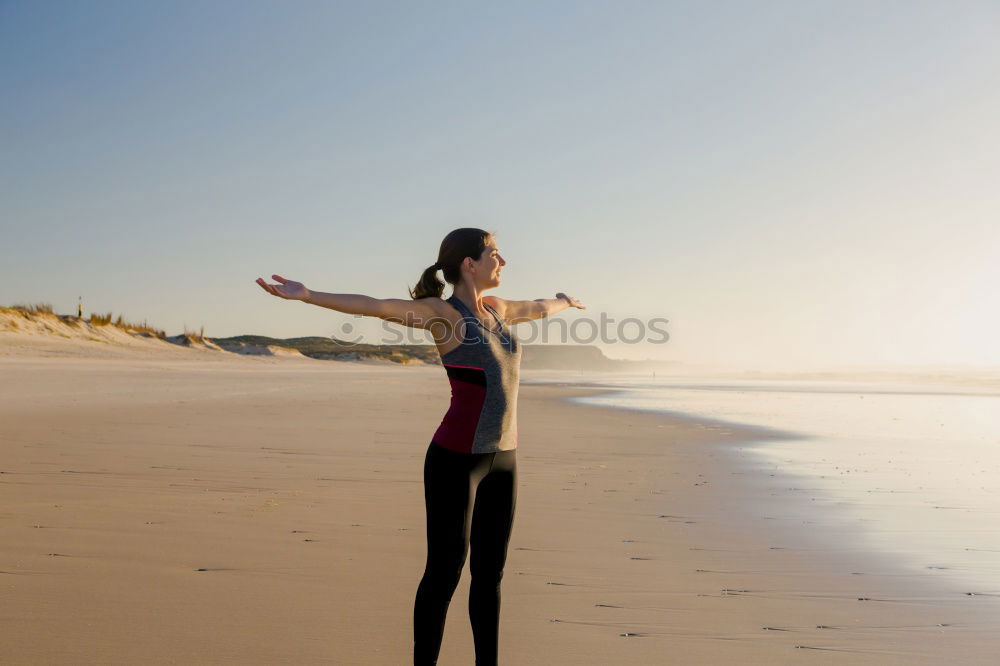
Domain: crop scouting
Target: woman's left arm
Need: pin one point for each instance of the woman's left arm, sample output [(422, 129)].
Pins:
[(514, 312)]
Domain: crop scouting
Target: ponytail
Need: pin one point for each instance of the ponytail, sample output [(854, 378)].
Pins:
[(429, 284)]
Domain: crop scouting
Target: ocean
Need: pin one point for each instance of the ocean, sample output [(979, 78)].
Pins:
[(913, 465)]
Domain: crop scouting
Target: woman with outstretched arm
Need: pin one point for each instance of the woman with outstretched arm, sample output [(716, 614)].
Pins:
[(470, 468)]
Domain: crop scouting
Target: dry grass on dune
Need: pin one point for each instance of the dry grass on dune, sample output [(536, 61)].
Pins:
[(34, 308), (34, 311), (120, 322)]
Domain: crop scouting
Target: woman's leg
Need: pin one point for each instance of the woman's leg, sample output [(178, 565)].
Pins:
[(492, 520), (450, 480)]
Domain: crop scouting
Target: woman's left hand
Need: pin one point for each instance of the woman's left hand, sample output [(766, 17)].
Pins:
[(573, 303)]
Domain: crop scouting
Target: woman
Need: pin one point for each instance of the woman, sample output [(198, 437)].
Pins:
[(470, 468)]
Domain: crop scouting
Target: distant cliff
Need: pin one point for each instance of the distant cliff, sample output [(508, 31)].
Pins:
[(329, 349), (539, 357)]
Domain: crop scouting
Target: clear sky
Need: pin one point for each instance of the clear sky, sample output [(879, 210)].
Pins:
[(809, 183)]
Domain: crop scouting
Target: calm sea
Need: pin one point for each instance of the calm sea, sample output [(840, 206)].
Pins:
[(915, 464)]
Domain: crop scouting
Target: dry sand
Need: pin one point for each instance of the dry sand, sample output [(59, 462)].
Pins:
[(203, 508)]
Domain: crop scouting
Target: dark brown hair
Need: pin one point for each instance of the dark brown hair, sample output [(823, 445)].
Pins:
[(456, 246)]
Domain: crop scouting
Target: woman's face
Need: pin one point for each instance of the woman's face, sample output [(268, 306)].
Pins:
[(488, 267)]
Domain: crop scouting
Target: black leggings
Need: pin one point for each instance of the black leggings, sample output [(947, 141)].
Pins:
[(466, 495)]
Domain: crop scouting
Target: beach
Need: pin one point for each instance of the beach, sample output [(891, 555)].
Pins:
[(205, 508), (737, 262)]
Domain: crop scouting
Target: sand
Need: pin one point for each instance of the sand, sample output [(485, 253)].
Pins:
[(204, 508)]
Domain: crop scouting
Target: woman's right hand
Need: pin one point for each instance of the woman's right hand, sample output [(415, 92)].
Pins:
[(289, 289)]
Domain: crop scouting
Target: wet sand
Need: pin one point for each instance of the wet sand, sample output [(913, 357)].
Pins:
[(210, 509)]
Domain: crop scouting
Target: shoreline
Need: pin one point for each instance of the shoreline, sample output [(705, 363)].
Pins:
[(253, 512), (885, 579), (846, 506)]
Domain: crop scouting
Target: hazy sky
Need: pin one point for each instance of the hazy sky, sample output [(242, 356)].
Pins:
[(788, 183)]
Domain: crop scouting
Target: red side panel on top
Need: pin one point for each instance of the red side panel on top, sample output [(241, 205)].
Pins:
[(468, 393)]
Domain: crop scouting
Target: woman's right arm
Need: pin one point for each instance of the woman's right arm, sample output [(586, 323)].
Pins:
[(419, 313)]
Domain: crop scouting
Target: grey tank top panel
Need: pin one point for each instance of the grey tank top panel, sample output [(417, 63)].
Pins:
[(497, 352)]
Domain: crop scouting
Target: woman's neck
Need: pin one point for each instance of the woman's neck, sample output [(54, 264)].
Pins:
[(472, 298)]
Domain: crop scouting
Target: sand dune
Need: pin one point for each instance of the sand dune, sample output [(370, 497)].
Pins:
[(39, 335)]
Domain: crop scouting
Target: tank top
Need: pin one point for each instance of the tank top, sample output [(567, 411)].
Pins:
[(484, 371)]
